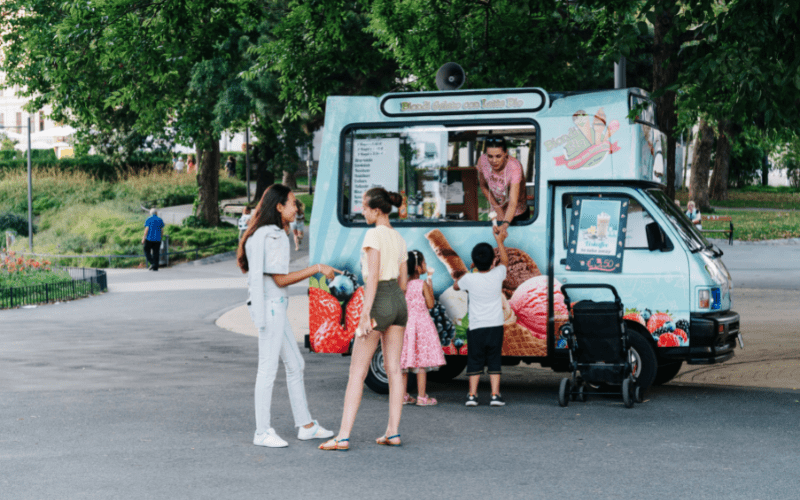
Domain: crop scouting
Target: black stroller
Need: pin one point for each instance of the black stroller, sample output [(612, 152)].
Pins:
[(598, 349)]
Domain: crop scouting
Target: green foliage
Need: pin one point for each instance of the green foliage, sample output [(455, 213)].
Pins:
[(16, 223), (194, 222)]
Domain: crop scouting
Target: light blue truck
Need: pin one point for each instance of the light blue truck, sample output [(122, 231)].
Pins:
[(598, 214)]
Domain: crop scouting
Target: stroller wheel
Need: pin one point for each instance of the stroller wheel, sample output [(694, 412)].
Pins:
[(581, 396), (637, 394), (627, 399), (564, 390)]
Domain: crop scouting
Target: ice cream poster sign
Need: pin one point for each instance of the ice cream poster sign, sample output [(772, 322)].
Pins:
[(597, 234), (586, 144)]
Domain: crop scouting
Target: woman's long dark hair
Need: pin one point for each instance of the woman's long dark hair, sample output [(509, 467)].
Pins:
[(266, 214)]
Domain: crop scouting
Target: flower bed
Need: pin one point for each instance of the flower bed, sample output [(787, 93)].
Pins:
[(28, 281)]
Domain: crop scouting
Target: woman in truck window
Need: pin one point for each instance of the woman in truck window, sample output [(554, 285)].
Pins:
[(383, 318), (503, 183), (264, 255)]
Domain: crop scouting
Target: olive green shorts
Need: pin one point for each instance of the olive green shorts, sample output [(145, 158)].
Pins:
[(389, 307)]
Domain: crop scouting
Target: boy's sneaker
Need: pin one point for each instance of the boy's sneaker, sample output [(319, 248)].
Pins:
[(471, 400), (270, 439), (497, 400), (316, 431)]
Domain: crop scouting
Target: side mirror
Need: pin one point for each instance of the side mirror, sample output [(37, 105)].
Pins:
[(656, 239)]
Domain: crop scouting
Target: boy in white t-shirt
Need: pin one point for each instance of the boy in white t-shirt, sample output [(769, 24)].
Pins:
[(485, 334)]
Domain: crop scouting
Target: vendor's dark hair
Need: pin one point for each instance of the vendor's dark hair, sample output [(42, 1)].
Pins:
[(415, 258), (496, 141), (266, 214), (383, 200), (483, 256)]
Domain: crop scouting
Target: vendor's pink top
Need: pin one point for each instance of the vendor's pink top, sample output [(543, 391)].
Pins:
[(500, 184)]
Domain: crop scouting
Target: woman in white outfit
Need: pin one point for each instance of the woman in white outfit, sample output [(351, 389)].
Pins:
[(264, 255)]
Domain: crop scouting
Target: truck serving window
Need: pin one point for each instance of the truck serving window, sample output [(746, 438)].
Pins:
[(436, 167)]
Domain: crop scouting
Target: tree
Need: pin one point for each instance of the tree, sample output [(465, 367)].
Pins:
[(125, 66), (698, 183)]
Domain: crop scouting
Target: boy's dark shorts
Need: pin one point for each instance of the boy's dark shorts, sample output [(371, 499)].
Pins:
[(484, 348)]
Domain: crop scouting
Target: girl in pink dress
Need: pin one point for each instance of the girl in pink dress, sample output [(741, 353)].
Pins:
[(422, 351)]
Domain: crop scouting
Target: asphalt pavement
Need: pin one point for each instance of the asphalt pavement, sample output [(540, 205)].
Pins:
[(137, 393)]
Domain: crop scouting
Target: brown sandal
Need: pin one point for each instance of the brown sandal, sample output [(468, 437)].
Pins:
[(335, 445), (387, 440)]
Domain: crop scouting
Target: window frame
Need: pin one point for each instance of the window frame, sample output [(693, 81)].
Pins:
[(564, 233), (433, 123)]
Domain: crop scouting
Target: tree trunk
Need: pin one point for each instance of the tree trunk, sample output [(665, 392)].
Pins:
[(722, 161), (265, 177), (665, 72), (289, 179), (765, 171), (689, 141), (208, 183), (701, 160)]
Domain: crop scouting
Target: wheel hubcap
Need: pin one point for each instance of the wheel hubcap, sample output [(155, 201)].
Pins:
[(376, 366)]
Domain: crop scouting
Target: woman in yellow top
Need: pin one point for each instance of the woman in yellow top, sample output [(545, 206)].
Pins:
[(384, 316)]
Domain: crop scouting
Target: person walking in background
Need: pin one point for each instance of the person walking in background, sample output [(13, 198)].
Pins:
[(264, 255), (383, 317), (485, 306), (230, 166), (298, 225), (694, 215), (191, 165), (243, 220), (179, 165), (153, 232), (422, 351)]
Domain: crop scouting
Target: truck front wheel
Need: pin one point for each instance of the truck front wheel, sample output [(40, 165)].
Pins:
[(643, 358), (667, 371)]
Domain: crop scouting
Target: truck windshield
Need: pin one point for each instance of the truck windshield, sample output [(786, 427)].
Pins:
[(693, 238)]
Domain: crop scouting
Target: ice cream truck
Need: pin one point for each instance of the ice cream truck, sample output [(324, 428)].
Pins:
[(598, 214)]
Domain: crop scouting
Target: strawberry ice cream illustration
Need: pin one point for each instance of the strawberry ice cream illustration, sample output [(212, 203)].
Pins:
[(529, 303)]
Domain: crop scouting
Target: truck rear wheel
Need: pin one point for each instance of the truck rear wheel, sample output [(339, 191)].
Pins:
[(455, 365), (376, 376)]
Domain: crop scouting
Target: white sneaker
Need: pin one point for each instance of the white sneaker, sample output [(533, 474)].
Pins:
[(269, 439), (316, 431)]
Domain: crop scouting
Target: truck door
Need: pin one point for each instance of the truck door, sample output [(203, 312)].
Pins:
[(653, 285)]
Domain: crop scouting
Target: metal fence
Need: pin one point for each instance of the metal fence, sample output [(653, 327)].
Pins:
[(83, 282)]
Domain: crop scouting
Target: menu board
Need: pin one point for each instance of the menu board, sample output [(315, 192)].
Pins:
[(597, 234), (375, 164)]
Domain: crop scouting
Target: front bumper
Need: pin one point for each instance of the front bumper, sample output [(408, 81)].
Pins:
[(713, 338)]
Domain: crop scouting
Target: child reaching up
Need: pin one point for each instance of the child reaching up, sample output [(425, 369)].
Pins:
[(485, 306), (422, 351)]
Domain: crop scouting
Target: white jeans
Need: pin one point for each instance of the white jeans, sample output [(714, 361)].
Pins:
[(277, 341)]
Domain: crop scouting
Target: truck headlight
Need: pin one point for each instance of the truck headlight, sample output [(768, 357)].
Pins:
[(709, 298), (704, 299)]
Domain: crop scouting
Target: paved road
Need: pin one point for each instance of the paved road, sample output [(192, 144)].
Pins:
[(138, 394)]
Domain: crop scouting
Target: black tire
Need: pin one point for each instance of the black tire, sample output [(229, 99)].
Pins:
[(564, 390), (581, 393), (627, 399), (376, 376), (455, 365), (645, 362), (667, 370), (637, 394)]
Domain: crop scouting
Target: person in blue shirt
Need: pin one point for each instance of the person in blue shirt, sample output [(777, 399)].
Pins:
[(153, 232)]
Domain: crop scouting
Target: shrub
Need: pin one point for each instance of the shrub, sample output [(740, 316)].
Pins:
[(10, 221), (194, 221)]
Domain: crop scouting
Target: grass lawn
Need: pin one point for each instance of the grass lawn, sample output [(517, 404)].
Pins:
[(78, 215), (783, 198), (754, 225)]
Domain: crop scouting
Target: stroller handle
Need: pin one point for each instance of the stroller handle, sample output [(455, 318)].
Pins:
[(590, 285)]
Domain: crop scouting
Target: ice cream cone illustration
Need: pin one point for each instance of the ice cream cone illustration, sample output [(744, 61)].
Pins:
[(583, 122), (599, 127)]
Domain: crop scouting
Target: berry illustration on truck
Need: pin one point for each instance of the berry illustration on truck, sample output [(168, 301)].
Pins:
[(591, 210)]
